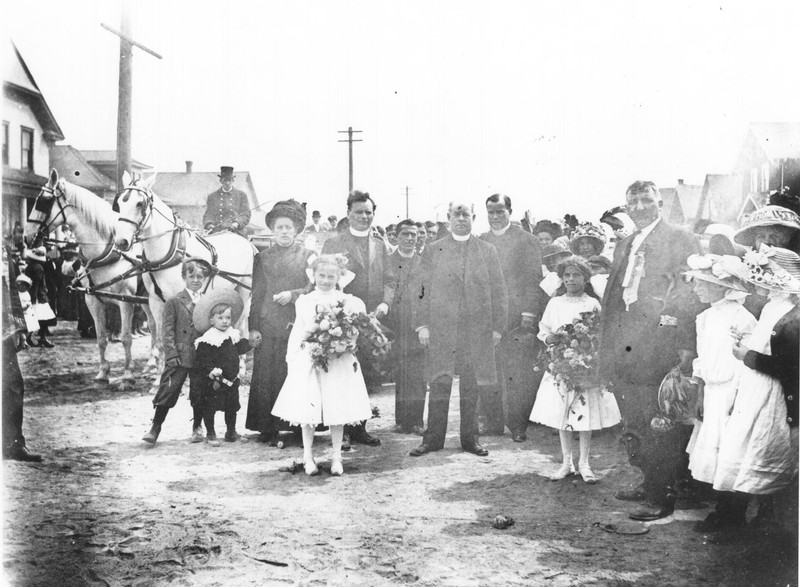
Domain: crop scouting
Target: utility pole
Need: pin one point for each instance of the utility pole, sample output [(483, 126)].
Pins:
[(124, 105), (407, 216), (350, 140)]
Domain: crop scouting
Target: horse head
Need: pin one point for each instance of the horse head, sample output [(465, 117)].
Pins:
[(49, 209), (135, 206)]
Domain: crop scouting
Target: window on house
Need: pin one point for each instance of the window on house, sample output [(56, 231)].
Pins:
[(765, 177), (27, 148), (754, 181), (5, 143)]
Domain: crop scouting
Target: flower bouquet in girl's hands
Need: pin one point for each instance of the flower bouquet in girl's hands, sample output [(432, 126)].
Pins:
[(573, 360), (372, 336), (333, 335)]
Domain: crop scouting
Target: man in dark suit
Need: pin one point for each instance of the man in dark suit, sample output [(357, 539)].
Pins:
[(521, 261), (407, 352), (374, 283), (227, 208), (461, 315), (648, 327)]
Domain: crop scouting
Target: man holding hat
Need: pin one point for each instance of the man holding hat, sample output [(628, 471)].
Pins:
[(227, 208)]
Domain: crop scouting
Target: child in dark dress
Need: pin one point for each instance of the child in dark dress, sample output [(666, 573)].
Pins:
[(217, 360)]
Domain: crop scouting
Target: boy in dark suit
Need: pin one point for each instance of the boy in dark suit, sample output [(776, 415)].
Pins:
[(177, 339)]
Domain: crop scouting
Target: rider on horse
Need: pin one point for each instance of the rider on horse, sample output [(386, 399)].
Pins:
[(227, 208)]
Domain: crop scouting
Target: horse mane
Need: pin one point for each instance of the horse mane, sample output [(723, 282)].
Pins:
[(93, 208)]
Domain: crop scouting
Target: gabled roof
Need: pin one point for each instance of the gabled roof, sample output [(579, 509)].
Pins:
[(671, 209), (110, 156), (192, 189), (20, 85), (719, 188), (689, 197), (72, 165), (779, 140)]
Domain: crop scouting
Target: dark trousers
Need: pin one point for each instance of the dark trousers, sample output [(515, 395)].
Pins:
[(13, 393), (439, 405), (409, 399), (169, 388), (510, 401), (658, 454)]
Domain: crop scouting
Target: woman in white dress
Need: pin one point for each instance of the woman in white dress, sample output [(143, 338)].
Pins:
[(310, 395), (558, 406)]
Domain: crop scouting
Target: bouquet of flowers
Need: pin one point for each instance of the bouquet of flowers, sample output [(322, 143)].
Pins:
[(337, 332), (573, 361)]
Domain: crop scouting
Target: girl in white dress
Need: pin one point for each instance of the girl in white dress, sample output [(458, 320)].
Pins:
[(715, 369), (557, 406), (311, 396)]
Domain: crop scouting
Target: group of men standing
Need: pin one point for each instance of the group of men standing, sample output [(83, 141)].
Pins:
[(470, 307)]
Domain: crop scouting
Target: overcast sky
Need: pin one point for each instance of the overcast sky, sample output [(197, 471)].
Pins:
[(558, 104)]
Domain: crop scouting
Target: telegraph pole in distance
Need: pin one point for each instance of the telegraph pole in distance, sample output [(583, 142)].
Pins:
[(407, 216), (124, 107), (350, 140)]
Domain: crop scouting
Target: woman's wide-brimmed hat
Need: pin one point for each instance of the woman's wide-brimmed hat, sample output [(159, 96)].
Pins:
[(766, 216), (553, 228), (712, 269), (590, 232), (201, 317), (37, 254), (24, 279), (771, 268), (555, 252), (291, 209)]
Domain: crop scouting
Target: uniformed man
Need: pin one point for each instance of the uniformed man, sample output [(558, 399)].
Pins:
[(227, 208)]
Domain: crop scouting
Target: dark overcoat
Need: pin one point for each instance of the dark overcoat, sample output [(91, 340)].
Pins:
[(521, 261), (640, 346), (486, 299), (400, 320), (374, 284), (178, 331), (227, 207)]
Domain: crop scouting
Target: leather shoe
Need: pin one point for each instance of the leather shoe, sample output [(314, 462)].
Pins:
[(716, 522), (422, 449), (418, 430), (152, 436), (43, 342), (361, 436), (649, 511), (20, 452), (346, 446), (635, 494), (477, 449), (519, 438)]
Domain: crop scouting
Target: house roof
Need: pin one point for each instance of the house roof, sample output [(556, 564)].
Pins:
[(72, 165), (109, 156), (689, 196), (671, 209), (779, 140), (20, 85), (192, 189), (21, 182)]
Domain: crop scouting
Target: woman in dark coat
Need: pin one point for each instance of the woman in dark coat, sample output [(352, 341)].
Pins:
[(35, 270), (279, 277)]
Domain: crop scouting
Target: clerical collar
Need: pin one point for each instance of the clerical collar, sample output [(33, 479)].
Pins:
[(502, 231), (355, 232), (402, 254), (461, 239)]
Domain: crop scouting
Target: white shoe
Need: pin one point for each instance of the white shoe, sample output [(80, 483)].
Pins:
[(336, 467), (311, 468), (565, 471), (585, 471)]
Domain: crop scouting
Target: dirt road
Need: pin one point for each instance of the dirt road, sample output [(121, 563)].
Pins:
[(106, 509)]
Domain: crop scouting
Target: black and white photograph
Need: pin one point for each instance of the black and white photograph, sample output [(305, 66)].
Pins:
[(363, 292)]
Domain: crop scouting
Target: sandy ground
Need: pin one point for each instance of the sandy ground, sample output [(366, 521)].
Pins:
[(106, 509)]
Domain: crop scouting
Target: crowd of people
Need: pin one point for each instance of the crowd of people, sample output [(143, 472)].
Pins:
[(687, 343)]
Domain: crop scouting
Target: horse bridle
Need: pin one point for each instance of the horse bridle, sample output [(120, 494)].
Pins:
[(44, 226), (148, 198)]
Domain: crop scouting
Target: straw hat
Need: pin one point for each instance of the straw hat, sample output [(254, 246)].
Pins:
[(771, 268), (766, 216), (202, 311), (555, 252), (710, 268), (37, 254)]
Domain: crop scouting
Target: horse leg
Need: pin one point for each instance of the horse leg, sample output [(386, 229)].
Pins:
[(155, 342), (98, 311), (243, 326), (126, 315), (157, 310)]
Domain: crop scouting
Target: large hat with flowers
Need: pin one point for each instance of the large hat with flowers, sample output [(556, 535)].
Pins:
[(766, 216), (291, 209), (555, 252), (712, 269), (202, 310), (591, 232), (771, 268)]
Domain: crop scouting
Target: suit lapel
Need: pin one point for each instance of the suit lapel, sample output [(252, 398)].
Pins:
[(355, 251)]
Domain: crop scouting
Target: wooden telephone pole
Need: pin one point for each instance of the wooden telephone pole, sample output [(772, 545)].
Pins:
[(124, 106), (350, 140)]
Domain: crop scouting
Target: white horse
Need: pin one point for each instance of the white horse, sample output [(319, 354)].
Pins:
[(167, 242), (93, 221)]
